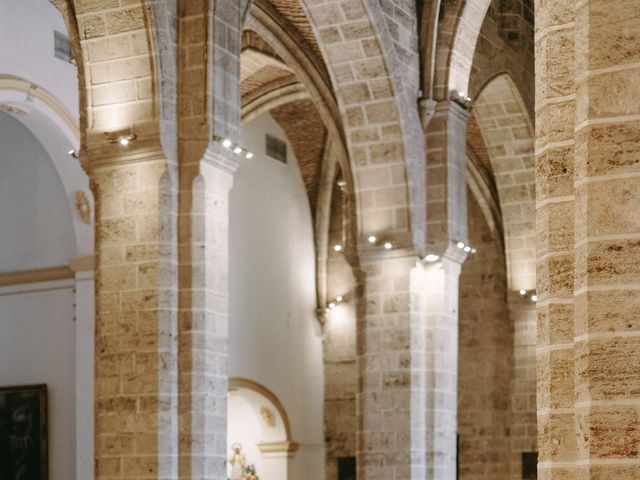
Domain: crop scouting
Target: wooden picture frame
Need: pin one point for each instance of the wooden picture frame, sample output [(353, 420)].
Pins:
[(24, 433)]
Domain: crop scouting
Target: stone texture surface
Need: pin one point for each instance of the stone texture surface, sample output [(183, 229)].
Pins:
[(169, 73), (486, 356), (587, 239)]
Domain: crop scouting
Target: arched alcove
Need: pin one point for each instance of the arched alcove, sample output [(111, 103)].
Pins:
[(258, 425), (274, 336)]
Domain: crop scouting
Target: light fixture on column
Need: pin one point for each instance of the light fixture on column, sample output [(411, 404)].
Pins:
[(72, 153), (337, 247), (462, 99), (234, 147), (381, 241), (534, 298), (122, 138), (431, 258), (466, 248), (335, 302), (523, 292)]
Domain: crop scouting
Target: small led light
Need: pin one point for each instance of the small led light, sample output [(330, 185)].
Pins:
[(372, 239), (460, 245), (237, 150), (523, 292), (473, 250), (467, 249), (339, 298), (332, 305), (249, 155), (226, 143), (461, 94), (534, 298), (71, 152), (338, 248), (388, 246), (124, 141), (431, 258), (468, 99)]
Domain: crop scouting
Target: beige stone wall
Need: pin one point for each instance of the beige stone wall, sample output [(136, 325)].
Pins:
[(486, 356), (131, 359)]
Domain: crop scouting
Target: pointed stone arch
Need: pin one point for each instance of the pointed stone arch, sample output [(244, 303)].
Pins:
[(508, 134), (382, 137)]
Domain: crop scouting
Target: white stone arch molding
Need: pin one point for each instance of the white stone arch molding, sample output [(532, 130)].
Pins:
[(463, 47), (57, 129)]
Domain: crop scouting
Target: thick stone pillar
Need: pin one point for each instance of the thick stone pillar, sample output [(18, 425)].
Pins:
[(446, 139), (440, 288), (135, 363), (607, 240), (555, 121), (588, 172), (391, 370)]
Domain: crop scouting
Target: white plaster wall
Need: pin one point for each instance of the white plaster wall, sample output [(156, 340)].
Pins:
[(27, 46), (39, 338), (37, 345), (274, 337), (36, 229)]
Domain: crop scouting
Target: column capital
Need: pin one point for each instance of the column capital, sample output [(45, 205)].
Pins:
[(221, 158), (449, 107), (401, 246)]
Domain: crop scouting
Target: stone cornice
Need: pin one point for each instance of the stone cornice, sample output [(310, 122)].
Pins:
[(49, 274), (219, 157), (108, 154)]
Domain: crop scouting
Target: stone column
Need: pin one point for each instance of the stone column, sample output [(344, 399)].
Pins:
[(446, 139), (440, 289), (134, 362), (554, 145), (607, 240), (391, 369), (408, 336), (407, 364), (204, 318)]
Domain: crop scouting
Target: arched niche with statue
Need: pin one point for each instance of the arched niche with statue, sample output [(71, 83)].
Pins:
[(258, 433)]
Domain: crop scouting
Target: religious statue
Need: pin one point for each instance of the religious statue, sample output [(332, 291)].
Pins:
[(237, 461)]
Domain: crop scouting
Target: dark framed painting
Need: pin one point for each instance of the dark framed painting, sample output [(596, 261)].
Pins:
[(23, 433)]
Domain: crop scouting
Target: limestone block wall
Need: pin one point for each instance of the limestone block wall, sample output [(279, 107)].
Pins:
[(587, 69), (486, 349), (524, 435)]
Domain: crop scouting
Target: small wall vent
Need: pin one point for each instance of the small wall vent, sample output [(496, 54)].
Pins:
[(277, 149), (62, 47)]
